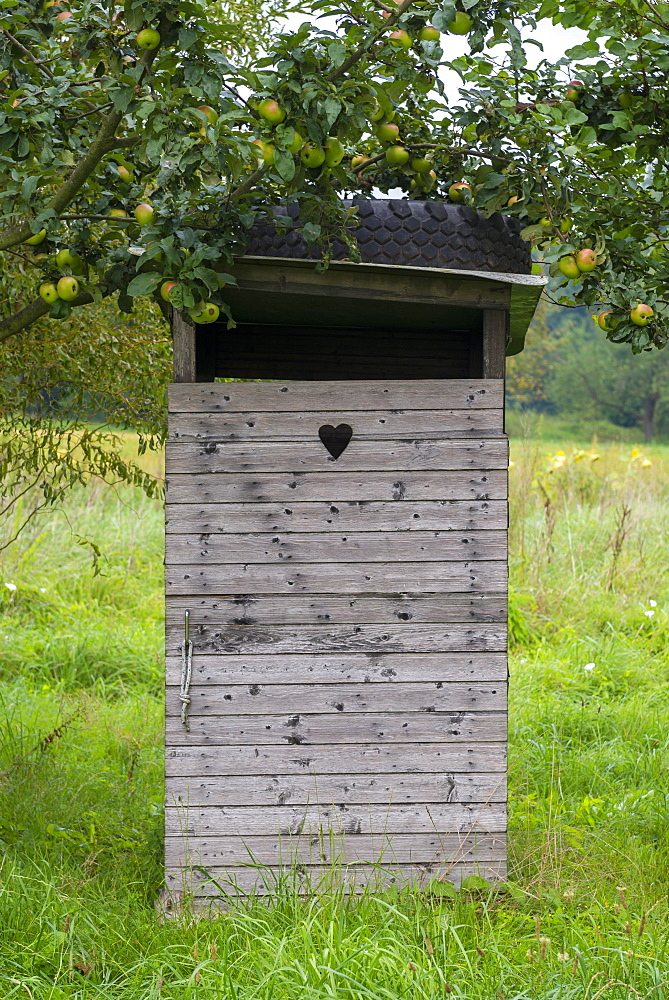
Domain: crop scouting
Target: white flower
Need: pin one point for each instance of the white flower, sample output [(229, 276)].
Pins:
[(649, 614), (563, 956), (590, 666), (10, 586), (653, 604), (42, 590)]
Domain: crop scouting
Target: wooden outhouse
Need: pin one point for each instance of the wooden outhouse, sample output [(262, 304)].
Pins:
[(336, 562)]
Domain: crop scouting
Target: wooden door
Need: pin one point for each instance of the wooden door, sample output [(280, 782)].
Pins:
[(348, 619)]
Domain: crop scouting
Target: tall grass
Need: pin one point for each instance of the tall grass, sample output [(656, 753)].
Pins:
[(585, 912)]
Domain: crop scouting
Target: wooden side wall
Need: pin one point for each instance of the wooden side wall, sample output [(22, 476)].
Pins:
[(349, 624)]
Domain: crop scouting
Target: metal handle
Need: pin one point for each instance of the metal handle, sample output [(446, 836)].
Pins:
[(186, 671)]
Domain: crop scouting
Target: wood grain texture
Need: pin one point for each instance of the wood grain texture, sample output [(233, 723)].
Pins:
[(400, 394), (294, 639), (430, 848), (217, 885), (289, 488), (344, 578), (274, 699), (314, 819), (339, 668), (311, 456), (303, 426), (335, 759), (304, 730), (349, 789), (495, 330), (183, 340), (357, 515), (353, 547), (311, 609)]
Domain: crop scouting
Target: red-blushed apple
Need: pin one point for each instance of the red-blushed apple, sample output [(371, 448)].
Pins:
[(64, 15), (208, 112), (641, 314), (267, 149), (607, 320), (400, 38), (460, 24), (124, 173), (397, 156), (166, 288), (569, 267), (573, 91), (512, 201), (586, 259), (388, 132), (48, 292), (144, 214), (34, 241), (460, 192), (271, 111), (312, 156), (334, 151), (68, 288), (429, 34), (148, 38)]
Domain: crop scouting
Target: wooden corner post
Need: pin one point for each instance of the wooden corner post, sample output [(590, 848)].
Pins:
[(183, 341), (495, 330)]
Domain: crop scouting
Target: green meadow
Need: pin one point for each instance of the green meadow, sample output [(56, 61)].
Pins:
[(585, 911)]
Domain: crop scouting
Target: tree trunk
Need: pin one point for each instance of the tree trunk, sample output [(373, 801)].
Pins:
[(649, 404)]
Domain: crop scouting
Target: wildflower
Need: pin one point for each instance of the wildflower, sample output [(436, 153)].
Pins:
[(635, 453), (563, 956), (646, 464), (652, 603), (594, 457), (589, 666), (578, 455), (11, 586), (649, 613)]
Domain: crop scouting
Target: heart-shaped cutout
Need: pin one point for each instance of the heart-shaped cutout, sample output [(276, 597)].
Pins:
[(335, 439)]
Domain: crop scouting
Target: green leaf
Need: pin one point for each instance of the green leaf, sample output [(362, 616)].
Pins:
[(143, 284), (284, 163), (311, 232)]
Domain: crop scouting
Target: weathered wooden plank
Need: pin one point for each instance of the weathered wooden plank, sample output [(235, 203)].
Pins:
[(332, 397), (303, 425), (211, 888), (291, 487), (330, 547), (431, 848), (295, 639), (310, 609), (345, 578), (275, 699), (183, 338), (361, 515), (338, 668), (312, 456), (335, 759), (313, 819), (304, 730), (495, 330), (274, 789)]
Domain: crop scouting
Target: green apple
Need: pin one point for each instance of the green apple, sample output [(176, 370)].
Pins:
[(397, 156), (267, 149), (166, 288), (536, 268), (208, 112), (512, 201), (376, 114), (401, 39), (144, 214), (148, 38), (625, 99), (271, 111), (420, 164), (460, 24), (546, 222), (118, 213), (70, 262), (569, 267), (641, 314), (429, 34), (124, 173), (38, 238), (334, 151), (48, 292), (565, 224), (312, 156), (586, 259), (296, 144), (68, 288), (388, 132), (607, 320), (357, 161), (205, 312), (460, 192)]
